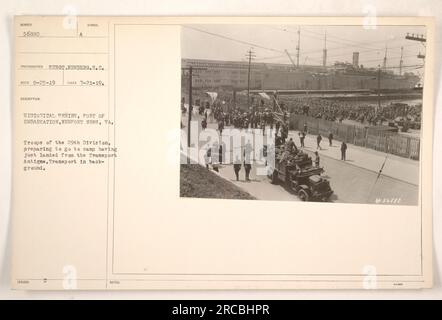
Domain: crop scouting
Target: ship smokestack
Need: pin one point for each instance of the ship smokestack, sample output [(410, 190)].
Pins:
[(355, 59)]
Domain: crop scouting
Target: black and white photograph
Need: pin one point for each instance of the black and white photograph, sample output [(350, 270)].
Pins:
[(302, 112), (224, 154)]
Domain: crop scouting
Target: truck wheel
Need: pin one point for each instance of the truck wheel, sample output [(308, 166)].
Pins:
[(303, 195)]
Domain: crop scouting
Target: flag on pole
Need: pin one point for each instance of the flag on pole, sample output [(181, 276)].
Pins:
[(264, 95), (213, 96)]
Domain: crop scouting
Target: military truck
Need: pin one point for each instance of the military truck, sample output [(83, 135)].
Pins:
[(297, 173), (311, 187)]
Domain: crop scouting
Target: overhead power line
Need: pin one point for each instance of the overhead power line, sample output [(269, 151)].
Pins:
[(283, 52), (345, 45), (271, 57), (233, 39), (357, 43)]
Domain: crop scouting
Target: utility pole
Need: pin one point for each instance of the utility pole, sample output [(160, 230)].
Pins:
[(401, 61), (189, 119), (379, 88), (250, 55), (420, 38), (298, 47)]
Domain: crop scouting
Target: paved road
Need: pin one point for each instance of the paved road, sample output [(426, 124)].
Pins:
[(350, 183), (395, 166), (259, 186)]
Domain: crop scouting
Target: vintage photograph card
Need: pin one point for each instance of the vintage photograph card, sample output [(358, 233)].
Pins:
[(222, 153)]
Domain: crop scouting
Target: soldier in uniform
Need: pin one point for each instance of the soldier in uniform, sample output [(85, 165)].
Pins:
[(284, 132), (277, 126), (245, 121), (271, 120), (343, 150), (221, 126), (252, 120), (318, 141), (215, 156), (263, 125), (330, 138), (201, 109), (278, 141), (222, 147), (248, 159), (302, 138), (237, 167), (183, 108), (290, 145), (207, 157), (317, 159), (248, 168)]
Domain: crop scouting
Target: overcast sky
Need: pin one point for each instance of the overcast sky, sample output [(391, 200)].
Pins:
[(231, 42)]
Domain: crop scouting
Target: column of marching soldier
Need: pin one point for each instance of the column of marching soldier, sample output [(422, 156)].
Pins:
[(256, 120)]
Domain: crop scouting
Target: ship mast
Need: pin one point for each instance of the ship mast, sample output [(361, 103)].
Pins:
[(401, 61), (298, 47), (384, 65), (324, 52)]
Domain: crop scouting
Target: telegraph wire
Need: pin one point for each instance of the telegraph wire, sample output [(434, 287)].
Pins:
[(233, 39), (345, 45), (304, 53)]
